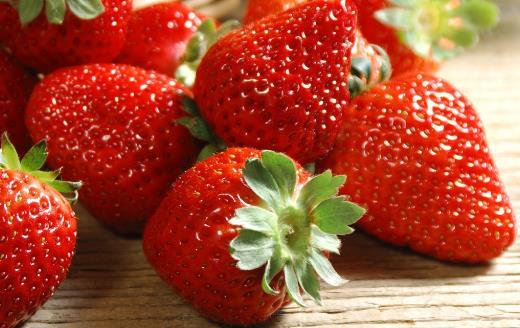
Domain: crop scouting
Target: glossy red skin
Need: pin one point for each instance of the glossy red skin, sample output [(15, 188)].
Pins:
[(255, 92), (46, 46), (258, 9), (16, 85), (187, 242), (125, 145), (416, 155), (37, 240), (403, 59), (158, 35)]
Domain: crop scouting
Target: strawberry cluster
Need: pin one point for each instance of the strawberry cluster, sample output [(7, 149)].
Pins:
[(204, 138)]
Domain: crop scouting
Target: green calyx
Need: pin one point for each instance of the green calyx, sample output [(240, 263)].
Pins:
[(32, 164), (200, 129), (439, 29), (294, 225), (205, 37), (362, 77), (55, 10)]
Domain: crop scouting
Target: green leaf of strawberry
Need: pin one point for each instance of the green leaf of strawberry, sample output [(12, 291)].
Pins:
[(32, 163), (55, 10), (288, 232), (440, 29)]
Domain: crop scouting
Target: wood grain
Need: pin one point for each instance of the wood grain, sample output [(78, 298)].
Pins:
[(111, 285)]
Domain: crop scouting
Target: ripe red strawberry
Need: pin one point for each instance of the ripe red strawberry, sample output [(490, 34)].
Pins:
[(370, 64), (419, 34), (37, 233), (113, 127), (417, 155), (15, 88), (158, 35), (264, 86), (65, 36), (244, 231)]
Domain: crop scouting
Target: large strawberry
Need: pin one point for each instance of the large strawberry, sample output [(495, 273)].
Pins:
[(370, 63), (419, 34), (281, 83), (158, 35), (37, 232), (114, 127), (244, 231), (15, 88), (417, 155), (66, 33)]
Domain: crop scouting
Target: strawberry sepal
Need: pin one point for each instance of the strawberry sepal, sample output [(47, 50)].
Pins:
[(32, 164), (292, 227), (206, 36), (439, 29), (29, 10)]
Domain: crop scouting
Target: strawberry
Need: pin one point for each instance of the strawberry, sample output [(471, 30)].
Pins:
[(158, 35), (263, 86), (418, 157), (37, 232), (370, 63), (419, 34), (15, 88), (113, 127), (84, 31), (244, 231)]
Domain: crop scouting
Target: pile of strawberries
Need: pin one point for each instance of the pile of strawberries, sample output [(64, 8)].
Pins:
[(204, 138)]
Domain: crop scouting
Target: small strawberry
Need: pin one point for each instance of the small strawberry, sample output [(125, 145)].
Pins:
[(418, 157), (15, 88), (37, 232), (370, 63), (244, 231), (114, 127), (70, 32), (419, 34), (264, 85), (158, 35)]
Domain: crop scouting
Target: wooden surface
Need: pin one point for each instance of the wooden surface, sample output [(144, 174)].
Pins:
[(111, 285)]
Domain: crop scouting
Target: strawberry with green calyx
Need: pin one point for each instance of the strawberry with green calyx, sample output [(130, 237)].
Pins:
[(263, 86), (243, 230), (46, 35), (370, 63), (37, 231), (419, 34), (207, 34), (157, 36)]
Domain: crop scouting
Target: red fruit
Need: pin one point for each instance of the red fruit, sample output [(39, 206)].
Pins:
[(15, 88), (417, 155), (158, 35), (418, 35), (37, 233), (370, 64), (243, 231), (46, 46), (258, 9), (264, 86), (114, 128)]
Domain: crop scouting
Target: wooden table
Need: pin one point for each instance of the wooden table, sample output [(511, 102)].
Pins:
[(111, 285)]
